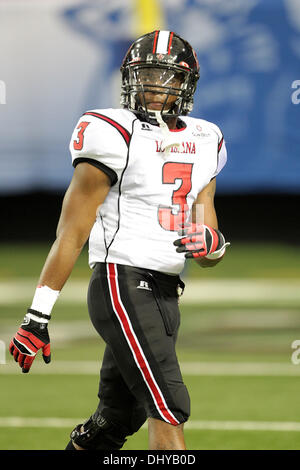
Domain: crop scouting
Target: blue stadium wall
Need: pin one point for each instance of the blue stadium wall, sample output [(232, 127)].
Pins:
[(64, 59)]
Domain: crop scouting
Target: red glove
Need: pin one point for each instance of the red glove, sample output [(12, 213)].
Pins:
[(199, 240), (30, 337)]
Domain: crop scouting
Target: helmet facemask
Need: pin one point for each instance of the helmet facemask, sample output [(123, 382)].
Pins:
[(147, 88)]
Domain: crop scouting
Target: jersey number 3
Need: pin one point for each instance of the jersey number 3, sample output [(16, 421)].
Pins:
[(78, 144), (172, 171)]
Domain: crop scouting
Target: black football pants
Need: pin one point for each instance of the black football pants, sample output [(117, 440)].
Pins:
[(136, 313)]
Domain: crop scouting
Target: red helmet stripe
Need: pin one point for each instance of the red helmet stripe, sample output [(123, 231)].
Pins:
[(155, 41), (170, 42)]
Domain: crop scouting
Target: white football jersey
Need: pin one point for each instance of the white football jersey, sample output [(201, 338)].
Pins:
[(155, 175)]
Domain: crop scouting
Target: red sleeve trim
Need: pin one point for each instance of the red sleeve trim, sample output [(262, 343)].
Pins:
[(124, 132)]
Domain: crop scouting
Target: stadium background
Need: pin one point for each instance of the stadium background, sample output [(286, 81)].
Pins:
[(240, 319)]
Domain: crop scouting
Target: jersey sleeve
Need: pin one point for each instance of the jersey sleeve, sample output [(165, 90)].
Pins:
[(221, 151), (102, 142)]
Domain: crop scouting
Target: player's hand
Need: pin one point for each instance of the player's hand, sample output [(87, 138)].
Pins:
[(199, 240), (30, 337)]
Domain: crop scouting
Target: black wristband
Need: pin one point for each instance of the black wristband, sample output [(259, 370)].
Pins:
[(38, 314)]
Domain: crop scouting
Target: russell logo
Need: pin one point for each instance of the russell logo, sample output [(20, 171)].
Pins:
[(144, 285), (146, 127)]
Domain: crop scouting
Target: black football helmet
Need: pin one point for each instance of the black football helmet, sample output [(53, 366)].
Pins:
[(164, 64)]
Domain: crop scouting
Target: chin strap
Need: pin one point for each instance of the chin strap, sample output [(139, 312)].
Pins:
[(169, 139)]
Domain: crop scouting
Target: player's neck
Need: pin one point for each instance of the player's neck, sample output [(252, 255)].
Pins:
[(171, 123)]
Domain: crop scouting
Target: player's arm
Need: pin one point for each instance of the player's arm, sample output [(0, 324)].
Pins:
[(203, 210), (88, 189), (202, 239)]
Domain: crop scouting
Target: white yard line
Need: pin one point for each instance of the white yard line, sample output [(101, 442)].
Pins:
[(240, 368), (20, 422), (197, 291), (188, 368), (255, 320)]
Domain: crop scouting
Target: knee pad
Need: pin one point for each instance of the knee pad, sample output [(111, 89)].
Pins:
[(99, 433)]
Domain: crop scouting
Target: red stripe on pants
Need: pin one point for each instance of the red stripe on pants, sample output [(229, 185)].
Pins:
[(135, 347)]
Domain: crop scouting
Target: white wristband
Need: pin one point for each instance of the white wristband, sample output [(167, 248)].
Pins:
[(217, 254), (43, 301)]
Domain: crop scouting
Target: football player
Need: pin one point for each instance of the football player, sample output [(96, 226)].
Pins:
[(142, 172)]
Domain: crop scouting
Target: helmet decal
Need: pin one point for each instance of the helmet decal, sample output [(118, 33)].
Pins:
[(184, 64)]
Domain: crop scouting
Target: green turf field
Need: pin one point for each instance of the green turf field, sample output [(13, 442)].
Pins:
[(235, 352)]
